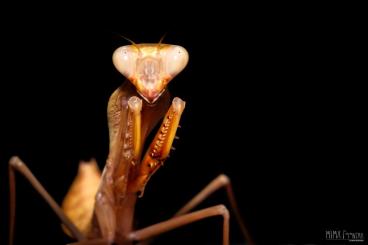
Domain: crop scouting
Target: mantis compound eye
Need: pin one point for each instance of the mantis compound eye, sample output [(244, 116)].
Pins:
[(124, 59), (176, 58), (150, 67)]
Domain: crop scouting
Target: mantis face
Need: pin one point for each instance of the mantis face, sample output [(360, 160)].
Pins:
[(150, 67)]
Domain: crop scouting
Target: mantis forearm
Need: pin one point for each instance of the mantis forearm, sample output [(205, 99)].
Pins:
[(160, 147)]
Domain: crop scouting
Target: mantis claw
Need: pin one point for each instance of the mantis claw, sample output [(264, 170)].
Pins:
[(160, 147)]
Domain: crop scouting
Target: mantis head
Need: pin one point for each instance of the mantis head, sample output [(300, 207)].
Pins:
[(150, 67)]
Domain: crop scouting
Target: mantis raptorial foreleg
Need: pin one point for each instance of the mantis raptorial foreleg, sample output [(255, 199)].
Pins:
[(160, 147), (15, 164), (128, 146), (125, 155)]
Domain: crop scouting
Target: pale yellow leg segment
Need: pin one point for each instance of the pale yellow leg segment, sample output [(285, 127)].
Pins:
[(135, 108), (131, 145), (160, 147)]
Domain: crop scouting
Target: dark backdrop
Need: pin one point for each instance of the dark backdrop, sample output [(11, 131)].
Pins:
[(277, 106)]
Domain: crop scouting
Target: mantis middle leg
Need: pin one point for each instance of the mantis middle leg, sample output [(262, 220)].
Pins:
[(15, 164)]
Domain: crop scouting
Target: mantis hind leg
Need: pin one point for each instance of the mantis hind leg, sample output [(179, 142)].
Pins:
[(176, 222), (219, 182), (15, 164)]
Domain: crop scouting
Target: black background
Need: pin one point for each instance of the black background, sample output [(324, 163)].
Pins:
[(277, 105)]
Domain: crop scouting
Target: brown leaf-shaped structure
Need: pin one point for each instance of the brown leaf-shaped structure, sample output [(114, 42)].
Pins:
[(79, 202)]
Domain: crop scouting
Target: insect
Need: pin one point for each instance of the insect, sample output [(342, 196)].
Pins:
[(99, 208)]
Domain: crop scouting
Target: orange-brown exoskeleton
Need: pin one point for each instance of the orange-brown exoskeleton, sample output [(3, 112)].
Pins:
[(99, 208)]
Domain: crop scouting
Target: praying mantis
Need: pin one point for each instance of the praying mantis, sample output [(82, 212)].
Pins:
[(99, 207)]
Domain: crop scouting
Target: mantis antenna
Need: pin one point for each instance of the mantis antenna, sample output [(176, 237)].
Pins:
[(131, 41)]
